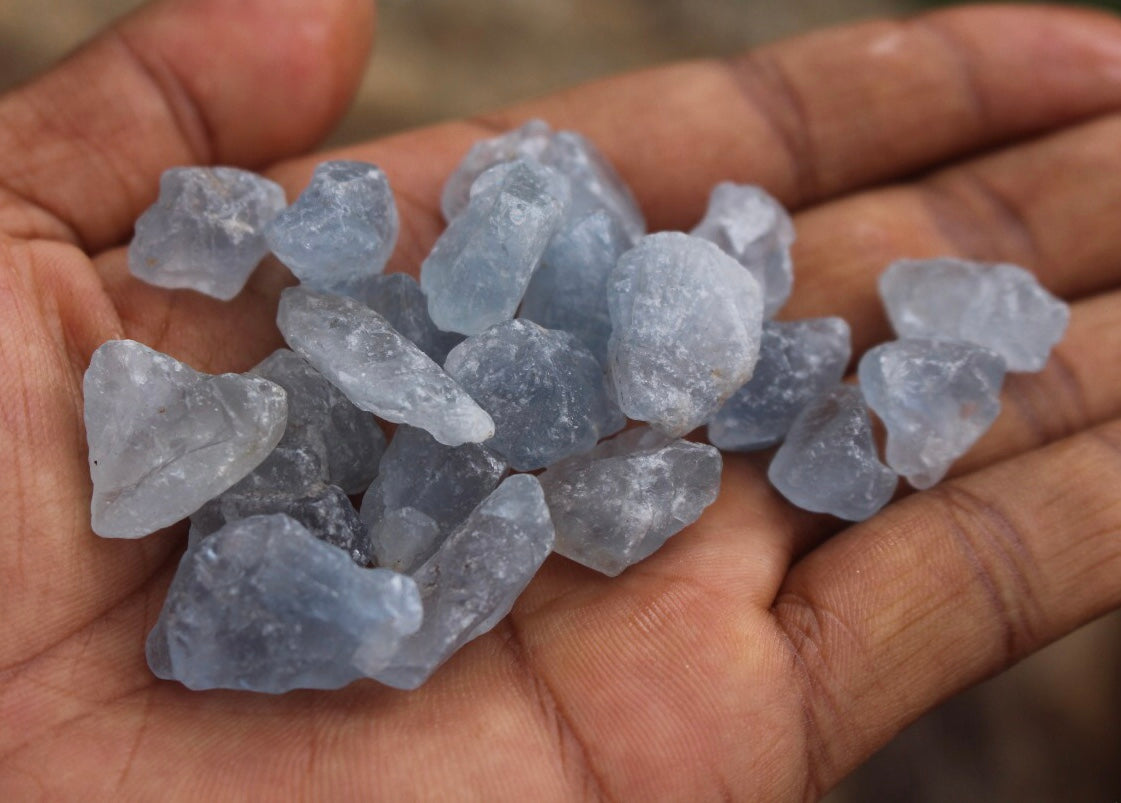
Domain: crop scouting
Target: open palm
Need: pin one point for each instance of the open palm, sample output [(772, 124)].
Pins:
[(763, 652)]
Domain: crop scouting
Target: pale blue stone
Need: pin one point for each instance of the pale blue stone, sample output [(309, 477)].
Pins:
[(798, 361), (398, 298), (935, 397), (206, 230), (405, 538), (528, 140), (828, 462), (341, 230), (544, 390)]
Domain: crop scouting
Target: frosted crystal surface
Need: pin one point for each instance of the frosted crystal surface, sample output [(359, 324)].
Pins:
[(617, 504), (341, 230), (754, 228), (474, 577), (164, 438), (544, 390), (480, 266), (798, 361), (686, 326), (398, 298), (262, 605), (378, 369), (528, 140), (405, 538), (206, 230), (828, 462), (1001, 307), (935, 397)]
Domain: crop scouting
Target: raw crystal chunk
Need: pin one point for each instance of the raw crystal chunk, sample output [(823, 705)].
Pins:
[(206, 231), (1001, 307), (935, 397), (475, 576), (398, 298), (404, 538), (686, 324), (828, 462), (341, 230), (798, 361), (377, 368), (164, 438), (569, 289), (755, 229), (261, 605), (478, 270), (617, 504), (544, 390), (529, 140)]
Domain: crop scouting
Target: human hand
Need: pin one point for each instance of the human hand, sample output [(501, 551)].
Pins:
[(764, 652)]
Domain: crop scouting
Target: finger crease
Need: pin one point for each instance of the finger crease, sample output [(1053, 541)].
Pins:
[(964, 60)]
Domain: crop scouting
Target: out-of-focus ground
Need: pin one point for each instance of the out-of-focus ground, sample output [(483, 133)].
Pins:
[(1048, 730)]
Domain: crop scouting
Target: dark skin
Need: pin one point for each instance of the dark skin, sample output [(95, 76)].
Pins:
[(764, 652)]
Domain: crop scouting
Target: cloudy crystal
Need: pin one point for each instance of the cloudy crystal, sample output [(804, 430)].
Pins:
[(398, 298), (404, 538), (528, 140)]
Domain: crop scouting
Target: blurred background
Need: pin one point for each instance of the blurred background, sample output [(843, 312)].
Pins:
[(1049, 729)]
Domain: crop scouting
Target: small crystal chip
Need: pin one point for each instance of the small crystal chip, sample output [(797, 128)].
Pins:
[(528, 140), (206, 231), (398, 298), (404, 538), (1001, 307), (618, 504), (828, 462), (686, 326), (798, 361), (164, 438), (935, 397), (341, 230)]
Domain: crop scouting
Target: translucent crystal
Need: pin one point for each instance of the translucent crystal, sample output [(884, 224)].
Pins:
[(164, 438), (206, 230), (262, 605), (686, 324), (828, 462), (377, 368), (617, 504), (544, 390), (1001, 307), (341, 230), (798, 361), (475, 576), (935, 397), (480, 266), (529, 140), (755, 229), (398, 298), (405, 538)]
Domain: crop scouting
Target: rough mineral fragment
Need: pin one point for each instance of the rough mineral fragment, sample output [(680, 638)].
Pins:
[(751, 226), (164, 438), (544, 390), (475, 576), (798, 361), (206, 231), (686, 324), (480, 266), (341, 230), (528, 140), (617, 504), (403, 539), (1001, 307), (262, 605), (377, 368), (398, 298), (828, 462), (569, 289), (935, 397)]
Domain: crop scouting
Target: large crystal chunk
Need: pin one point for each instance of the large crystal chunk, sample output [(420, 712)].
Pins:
[(544, 390), (935, 397), (262, 605), (617, 504), (164, 438), (798, 361), (475, 576), (341, 230), (206, 231), (828, 462), (377, 368), (686, 324), (398, 298), (1001, 307)]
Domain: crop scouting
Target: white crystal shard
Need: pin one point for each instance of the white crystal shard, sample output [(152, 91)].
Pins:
[(378, 369), (206, 231), (398, 298), (164, 438)]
